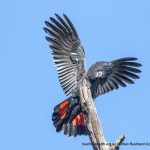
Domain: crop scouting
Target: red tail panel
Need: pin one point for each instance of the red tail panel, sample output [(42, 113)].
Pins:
[(78, 120), (68, 117)]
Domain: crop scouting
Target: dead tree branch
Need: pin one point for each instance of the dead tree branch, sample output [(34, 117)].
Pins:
[(93, 123)]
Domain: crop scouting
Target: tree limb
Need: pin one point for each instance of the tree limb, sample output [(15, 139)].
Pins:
[(92, 121)]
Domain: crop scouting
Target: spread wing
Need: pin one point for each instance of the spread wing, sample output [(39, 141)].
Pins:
[(67, 51), (114, 74)]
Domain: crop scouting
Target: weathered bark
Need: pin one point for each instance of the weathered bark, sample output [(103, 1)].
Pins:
[(92, 121)]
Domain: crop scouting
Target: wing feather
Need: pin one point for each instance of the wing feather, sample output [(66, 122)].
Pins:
[(116, 73), (67, 51)]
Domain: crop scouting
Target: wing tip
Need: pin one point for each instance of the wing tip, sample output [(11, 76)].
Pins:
[(52, 19), (47, 23)]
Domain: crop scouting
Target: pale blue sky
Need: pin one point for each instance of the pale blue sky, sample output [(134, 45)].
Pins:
[(29, 87)]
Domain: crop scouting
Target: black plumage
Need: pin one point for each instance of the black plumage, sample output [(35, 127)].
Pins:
[(69, 57), (67, 52), (114, 74)]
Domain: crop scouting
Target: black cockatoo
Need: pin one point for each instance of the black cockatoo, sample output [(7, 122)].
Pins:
[(69, 58)]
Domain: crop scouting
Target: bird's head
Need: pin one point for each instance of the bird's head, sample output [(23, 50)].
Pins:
[(99, 70)]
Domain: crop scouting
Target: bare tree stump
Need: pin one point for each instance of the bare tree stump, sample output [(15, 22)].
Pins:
[(92, 121)]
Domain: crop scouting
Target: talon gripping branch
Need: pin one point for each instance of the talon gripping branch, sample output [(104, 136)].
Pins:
[(69, 58)]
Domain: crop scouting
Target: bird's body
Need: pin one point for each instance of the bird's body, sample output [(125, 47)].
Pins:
[(69, 58)]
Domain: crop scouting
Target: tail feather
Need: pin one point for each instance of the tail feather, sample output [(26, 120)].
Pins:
[(68, 117), (60, 107)]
